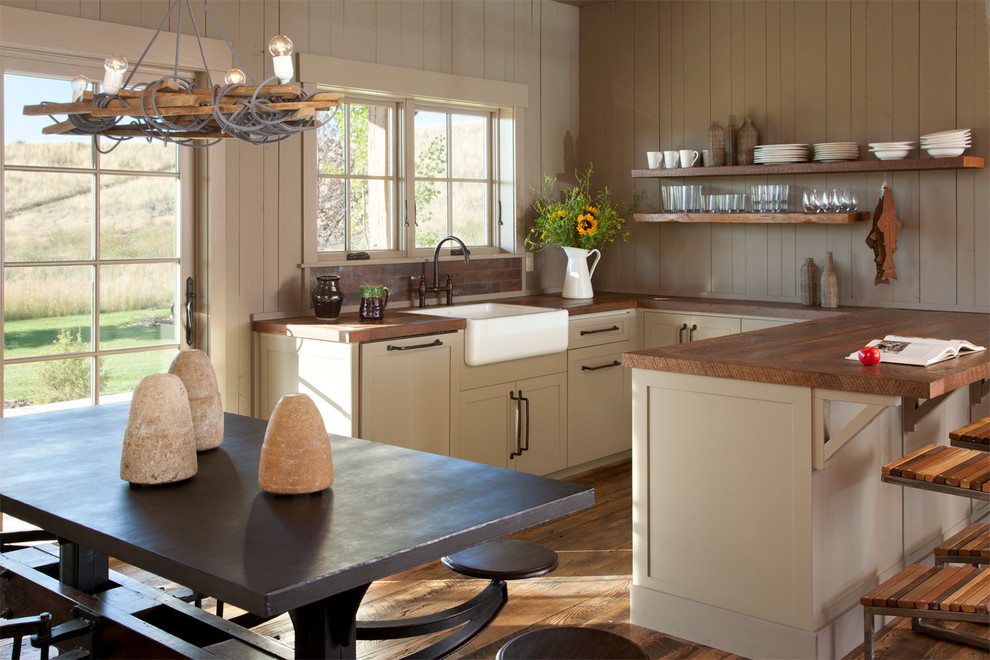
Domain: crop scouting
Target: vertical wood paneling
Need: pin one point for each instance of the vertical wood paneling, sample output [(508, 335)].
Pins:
[(338, 47), (124, 12), (269, 160), (720, 47), (645, 237), (623, 147), (321, 33), (436, 40), (468, 38), (295, 25), (981, 136), (388, 32), (63, 7), (965, 94), (359, 31), (413, 25), (497, 37)]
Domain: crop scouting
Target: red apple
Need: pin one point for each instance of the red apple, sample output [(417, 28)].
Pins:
[(869, 355)]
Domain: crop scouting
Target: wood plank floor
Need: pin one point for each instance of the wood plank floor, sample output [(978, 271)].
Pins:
[(590, 588)]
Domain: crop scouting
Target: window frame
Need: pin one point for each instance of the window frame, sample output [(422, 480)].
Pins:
[(454, 93), (62, 67)]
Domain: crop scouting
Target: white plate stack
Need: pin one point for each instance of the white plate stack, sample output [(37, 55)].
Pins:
[(946, 144), (766, 154), (832, 151), (891, 150)]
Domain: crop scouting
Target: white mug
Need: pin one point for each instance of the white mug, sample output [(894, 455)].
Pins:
[(654, 159), (670, 159), (689, 157)]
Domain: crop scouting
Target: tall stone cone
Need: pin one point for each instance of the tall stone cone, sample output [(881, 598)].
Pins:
[(159, 441), (193, 366), (295, 456)]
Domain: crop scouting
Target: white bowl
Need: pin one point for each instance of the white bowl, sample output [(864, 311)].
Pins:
[(945, 152), (890, 154)]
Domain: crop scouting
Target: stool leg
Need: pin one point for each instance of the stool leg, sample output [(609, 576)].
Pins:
[(869, 636)]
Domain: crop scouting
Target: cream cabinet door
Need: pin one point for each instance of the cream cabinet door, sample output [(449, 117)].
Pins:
[(487, 425), (664, 328), (543, 407), (405, 391), (599, 403), (706, 327)]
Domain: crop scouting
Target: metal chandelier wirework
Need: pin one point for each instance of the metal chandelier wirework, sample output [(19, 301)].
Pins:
[(173, 109)]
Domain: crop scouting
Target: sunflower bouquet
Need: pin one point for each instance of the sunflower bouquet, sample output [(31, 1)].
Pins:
[(578, 219)]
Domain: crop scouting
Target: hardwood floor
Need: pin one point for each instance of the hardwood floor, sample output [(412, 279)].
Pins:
[(590, 588)]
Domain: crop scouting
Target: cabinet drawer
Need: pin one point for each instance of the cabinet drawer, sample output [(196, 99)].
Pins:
[(596, 329)]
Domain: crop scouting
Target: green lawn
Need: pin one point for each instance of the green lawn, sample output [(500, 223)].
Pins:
[(42, 383)]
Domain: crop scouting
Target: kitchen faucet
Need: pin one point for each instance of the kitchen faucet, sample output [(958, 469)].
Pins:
[(449, 286)]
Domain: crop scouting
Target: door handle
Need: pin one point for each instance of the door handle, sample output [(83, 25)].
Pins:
[(190, 323), (595, 332), (615, 363), (391, 347), (694, 326), (680, 334), (526, 401), (518, 400)]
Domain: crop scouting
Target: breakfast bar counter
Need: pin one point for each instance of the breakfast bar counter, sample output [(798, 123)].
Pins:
[(759, 516)]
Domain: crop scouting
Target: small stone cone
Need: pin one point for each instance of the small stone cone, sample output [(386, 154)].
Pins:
[(193, 366), (295, 457), (159, 442)]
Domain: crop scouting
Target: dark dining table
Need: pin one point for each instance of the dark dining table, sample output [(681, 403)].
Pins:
[(314, 556)]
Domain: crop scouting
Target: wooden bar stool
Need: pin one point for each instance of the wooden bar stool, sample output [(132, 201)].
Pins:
[(496, 561), (571, 643)]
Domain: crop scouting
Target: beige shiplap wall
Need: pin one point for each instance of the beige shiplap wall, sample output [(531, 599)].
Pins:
[(532, 42), (654, 74)]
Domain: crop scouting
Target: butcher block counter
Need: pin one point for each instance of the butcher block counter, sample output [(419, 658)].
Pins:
[(812, 354), (759, 516)]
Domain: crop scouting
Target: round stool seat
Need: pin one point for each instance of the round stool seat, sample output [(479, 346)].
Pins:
[(571, 643), (503, 559)]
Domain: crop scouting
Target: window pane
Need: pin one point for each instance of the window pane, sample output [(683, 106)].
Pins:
[(330, 142), (48, 216), (468, 212), (431, 144), (467, 147), (120, 374), (369, 140), (47, 310), (136, 305), (32, 386), (331, 215), (23, 141), (139, 155), (431, 213), (369, 214), (138, 217)]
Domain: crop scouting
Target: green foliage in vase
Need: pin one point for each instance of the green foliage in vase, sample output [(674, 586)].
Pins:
[(578, 218)]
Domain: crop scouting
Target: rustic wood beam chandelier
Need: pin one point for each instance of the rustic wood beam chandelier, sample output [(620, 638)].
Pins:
[(174, 109)]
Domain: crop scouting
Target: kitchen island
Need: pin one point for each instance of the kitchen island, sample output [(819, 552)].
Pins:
[(759, 516)]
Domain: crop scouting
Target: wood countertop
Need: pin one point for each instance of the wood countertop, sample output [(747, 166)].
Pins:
[(812, 354)]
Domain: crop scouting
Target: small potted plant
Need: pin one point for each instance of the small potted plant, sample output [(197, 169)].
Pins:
[(580, 223)]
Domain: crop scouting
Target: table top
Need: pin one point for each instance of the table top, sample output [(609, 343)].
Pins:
[(389, 508), (812, 354)]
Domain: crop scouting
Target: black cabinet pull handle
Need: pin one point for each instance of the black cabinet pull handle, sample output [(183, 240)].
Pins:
[(595, 332), (694, 326), (518, 400), (522, 398), (680, 334), (436, 342), (615, 363), (190, 322)]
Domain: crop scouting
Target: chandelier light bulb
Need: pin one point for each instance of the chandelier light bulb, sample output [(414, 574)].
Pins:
[(115, 65), (281, 49), (79, 86), (235, 77)]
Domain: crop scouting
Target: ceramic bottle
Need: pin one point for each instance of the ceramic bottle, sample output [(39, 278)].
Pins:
[(809, 282), (830, 283), (327, 297)]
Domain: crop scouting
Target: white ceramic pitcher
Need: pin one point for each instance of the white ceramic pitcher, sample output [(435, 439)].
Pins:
[(577, 278)]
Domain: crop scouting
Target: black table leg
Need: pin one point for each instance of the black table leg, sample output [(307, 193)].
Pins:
[(83, 568), (326, 628)]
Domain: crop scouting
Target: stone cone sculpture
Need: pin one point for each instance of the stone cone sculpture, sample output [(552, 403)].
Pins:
[(295, 456), (193, 366), (159, 441)]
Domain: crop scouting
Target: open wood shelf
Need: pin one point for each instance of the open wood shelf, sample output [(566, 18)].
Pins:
[(957, 163), (756, 218)]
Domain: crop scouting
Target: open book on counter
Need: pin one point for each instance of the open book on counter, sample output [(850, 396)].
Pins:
[(920, 351)]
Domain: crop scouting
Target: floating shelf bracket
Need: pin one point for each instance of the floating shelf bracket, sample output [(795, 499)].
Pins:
[(824, 442), (978, 390), (915, 412)]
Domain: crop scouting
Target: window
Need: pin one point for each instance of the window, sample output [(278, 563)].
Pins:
[(91, 256), (359, 159)]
